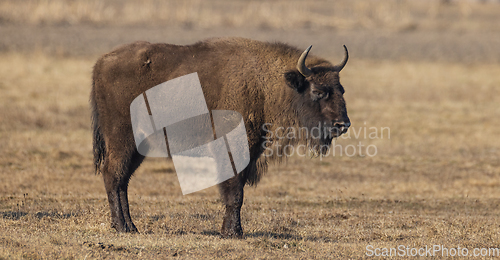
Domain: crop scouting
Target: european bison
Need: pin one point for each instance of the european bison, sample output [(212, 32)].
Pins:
[(271, 85)]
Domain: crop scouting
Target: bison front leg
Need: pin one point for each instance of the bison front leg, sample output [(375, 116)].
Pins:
[(232, 197)]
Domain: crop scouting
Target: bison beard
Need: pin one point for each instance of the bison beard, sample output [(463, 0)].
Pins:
[(269, 83)]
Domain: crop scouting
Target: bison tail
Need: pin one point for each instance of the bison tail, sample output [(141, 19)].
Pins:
[(99, 146)]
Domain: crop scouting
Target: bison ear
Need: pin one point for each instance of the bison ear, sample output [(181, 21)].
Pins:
[(296, 80)]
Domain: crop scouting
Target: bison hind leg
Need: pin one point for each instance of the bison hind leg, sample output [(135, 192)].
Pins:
[(117, 170)]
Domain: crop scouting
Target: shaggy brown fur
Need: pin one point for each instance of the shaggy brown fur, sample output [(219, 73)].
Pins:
[(259, 80)]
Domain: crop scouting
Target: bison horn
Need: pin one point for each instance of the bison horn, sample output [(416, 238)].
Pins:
[(340, 66), (301, 65)]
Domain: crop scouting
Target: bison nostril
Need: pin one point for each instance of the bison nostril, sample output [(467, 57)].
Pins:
[(341, 127), (340, 124)]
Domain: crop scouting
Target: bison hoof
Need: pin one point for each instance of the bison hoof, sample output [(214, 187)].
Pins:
[(232, 233), (125, 228)]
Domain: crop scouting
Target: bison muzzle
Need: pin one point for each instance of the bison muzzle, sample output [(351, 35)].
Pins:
[(267, 83)]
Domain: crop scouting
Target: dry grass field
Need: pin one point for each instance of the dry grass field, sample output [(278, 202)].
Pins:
[(395, 15), (435, 180)]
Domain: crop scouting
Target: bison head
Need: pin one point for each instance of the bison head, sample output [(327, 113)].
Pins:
[(318, 97)]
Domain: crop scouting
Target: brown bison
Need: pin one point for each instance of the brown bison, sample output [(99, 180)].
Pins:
[(271, 85)]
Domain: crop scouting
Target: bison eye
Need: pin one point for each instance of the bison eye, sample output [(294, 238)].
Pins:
[(317, 95)]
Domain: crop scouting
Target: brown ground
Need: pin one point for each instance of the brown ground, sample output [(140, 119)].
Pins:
[(435, 181)]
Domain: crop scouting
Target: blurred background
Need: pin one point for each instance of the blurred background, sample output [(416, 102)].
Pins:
[(446, 30)]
